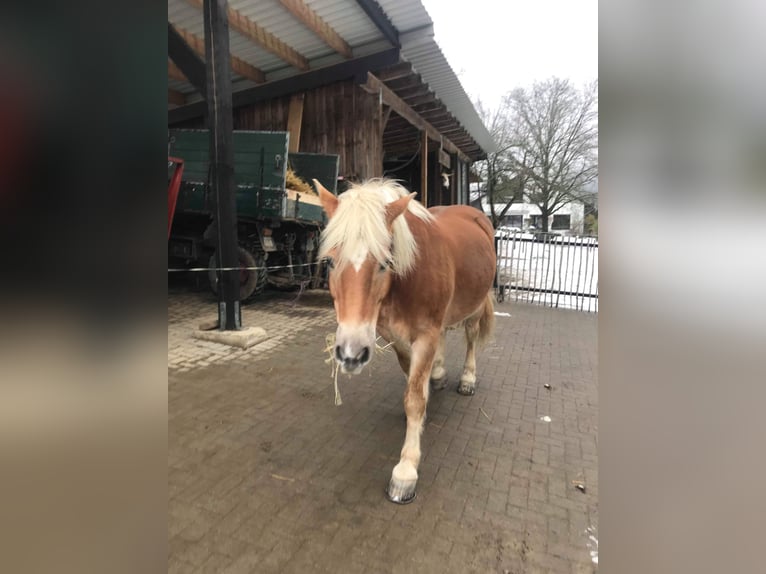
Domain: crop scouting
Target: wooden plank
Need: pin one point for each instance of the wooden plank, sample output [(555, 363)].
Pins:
[(316, 24), (374, 85), (176, 98), (238, 65), (294, 121), (422, 109), (245, 26)]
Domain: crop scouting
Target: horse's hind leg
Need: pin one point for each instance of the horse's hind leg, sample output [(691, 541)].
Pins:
[(467, 384), (404, 477), (478, 328), (438, 372)]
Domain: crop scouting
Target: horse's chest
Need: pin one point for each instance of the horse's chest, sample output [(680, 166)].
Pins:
[(392, 327)]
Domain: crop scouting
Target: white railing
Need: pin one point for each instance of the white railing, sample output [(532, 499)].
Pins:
[(549, 269)]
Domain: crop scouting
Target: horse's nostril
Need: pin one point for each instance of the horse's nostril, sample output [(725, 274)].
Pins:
[(364, 355), (338, 354)]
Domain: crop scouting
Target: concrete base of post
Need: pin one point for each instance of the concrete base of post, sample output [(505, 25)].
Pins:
[(244, 338)]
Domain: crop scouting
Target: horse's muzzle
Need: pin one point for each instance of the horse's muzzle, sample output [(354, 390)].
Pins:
[(354, 344), (352, 360)]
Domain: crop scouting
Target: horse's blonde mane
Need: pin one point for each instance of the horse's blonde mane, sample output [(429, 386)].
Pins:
[(358, 227)]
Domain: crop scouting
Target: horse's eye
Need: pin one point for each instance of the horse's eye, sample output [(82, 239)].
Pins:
[(382, 267), (330, 263)]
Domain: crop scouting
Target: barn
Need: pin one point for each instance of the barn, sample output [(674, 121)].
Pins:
[(362, 79)]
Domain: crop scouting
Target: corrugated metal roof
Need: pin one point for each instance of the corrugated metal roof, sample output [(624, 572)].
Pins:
[(429, 61), (409, 17)]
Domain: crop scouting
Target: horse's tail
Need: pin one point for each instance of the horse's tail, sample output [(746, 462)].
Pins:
[(487, 320)]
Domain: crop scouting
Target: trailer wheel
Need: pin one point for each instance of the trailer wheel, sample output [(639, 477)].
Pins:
[(251, 281)]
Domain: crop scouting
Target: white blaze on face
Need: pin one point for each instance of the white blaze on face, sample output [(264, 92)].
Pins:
[(359, 257)]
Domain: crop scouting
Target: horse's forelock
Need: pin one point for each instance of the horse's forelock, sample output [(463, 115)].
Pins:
[(360, 223)]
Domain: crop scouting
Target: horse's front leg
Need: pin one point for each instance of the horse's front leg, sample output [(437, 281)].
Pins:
[(404, 477)]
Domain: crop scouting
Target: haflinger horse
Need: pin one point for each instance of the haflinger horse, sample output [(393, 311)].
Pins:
[(408, 273)]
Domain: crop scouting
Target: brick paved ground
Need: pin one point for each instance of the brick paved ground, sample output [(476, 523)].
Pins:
[(267, 475)]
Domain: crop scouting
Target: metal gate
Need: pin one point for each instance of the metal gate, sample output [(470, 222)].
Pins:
[(548, 269)]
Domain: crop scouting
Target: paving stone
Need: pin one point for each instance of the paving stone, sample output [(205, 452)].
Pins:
[(267, 475)]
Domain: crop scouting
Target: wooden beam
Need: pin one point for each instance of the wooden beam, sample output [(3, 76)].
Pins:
[(431, 106), (237, 65), (175, 73), (188, 61), (423, 99), (398, 71), (297, 83), (294, 121), (374, 85), (444, 158), (424, 168), (441, 124), (176, 98), (380, 19), (314, 22), (218, 96), (385, 115), (405, 82), (419, 90), (262, 37)]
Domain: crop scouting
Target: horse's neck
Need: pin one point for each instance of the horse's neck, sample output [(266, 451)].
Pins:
[(408, 286)]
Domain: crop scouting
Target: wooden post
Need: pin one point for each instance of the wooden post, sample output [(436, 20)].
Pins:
[(424, 168), (454, 180), (218, 89), (294, 121)]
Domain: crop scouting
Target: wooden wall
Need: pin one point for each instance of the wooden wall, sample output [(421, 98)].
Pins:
[(344, 119), (340, 118)]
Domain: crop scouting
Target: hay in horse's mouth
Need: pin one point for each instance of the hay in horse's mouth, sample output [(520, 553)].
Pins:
[(330, 360)]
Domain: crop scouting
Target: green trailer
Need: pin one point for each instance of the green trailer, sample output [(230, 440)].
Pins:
[(277, 228)]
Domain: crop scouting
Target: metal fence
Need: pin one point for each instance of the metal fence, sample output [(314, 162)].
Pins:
[(549, 269)]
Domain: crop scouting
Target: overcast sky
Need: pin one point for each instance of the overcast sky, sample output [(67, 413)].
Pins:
[(496, 45)]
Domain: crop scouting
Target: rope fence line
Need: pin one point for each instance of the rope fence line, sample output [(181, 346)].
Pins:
[(258, 268)]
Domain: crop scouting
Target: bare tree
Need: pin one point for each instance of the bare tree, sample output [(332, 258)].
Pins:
[(502, 187), (553, 142)]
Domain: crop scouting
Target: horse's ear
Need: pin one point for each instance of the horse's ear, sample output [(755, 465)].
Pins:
[(328, 199), (396, 208)]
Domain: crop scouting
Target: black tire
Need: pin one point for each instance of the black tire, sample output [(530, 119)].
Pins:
[(251, 281)]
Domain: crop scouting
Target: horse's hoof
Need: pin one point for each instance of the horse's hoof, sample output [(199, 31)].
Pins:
[(439, 384), (401, 487), (401, 494), (465, 390)]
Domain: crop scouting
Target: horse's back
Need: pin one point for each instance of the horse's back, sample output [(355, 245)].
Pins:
[(463, 223), (470, 238)]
